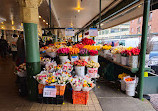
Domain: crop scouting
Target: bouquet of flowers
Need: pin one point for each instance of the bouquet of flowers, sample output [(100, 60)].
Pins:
[(63, 51), (80, 63), (93, 52), (51, 66), (51, 80), (42, 77), (106, 47), (92, 64), (67, 67), (73, 51), (83, 52), (21, 70), (44, 60), (87, 41), (87, 84), (121, 76), (76, 84), (134, 51), (80, 46), (118, 50), (125, 53)]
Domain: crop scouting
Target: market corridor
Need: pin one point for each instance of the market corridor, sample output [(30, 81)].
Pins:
[(109, 98)]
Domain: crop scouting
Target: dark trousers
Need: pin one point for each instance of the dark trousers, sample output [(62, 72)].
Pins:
[(3, 52), (14, 53)]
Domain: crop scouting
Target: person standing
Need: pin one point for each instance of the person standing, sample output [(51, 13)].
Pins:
[(20, 49), (3, 47), (13, 45)]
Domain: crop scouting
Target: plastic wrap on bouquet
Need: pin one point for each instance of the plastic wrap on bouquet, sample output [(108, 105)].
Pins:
[(51, 54), (51, 66), (63, 59), (22, 74), (85, 58)]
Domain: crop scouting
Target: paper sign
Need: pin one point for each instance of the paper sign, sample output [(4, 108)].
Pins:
[(49, 91), (74, 58), (93, 32), (69, 32)]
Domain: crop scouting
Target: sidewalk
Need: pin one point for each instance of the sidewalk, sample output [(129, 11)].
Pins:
[(112, 99)]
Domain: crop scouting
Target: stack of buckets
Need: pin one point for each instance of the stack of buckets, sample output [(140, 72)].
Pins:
[(129, 86)]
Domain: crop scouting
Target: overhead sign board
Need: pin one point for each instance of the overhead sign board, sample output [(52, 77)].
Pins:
[(93, 32), (69, 32)]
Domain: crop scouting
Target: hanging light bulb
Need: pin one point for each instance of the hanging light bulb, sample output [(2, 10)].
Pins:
[(44, 21), (78, 10)]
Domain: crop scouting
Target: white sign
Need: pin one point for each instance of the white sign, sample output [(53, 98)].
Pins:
[(93, 32), (49, 91), (69, 32), (74, 58)]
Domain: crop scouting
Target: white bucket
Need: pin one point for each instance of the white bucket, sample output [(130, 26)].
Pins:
[(85, 58), (118, 58), (92, 72), (130, 86), (80, 70), (133, 61), (130, 93), (94, 58), (124, 60), (74, 58), (63, 58), (123, 85)]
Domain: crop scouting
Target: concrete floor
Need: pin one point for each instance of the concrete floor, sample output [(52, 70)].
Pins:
[(110, 98)]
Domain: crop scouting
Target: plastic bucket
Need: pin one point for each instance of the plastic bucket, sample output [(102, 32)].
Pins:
[(118, 58), (130, 93), (94, 58), (92, 72), (80, 70), (63, 58), (124, 60), (130, 86), (85, 58)]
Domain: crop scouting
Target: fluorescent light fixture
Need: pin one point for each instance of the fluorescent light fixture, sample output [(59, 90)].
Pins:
[(40, 17), (44, 20)]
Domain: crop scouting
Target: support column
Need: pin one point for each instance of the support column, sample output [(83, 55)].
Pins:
[(29, 15), (82, 34), (143, 48), (56, 35), (77, 37)]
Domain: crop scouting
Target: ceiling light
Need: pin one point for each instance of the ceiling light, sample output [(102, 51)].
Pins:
[(44, 21), (47, 23), (40, 17), (12, 22), (101, 24), (78, 10), (2, 22)]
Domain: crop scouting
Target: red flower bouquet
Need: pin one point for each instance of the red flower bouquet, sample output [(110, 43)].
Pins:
[(87, 41), (63, 51), (93, 52), (135, 51), (80, 46), (80, 63)]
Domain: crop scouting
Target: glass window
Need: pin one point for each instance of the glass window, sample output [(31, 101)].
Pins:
[(139, 20), (99, 32), (103, 32), (106, 31), (138, 30), (114, 30), (124, 29), (150, 16)]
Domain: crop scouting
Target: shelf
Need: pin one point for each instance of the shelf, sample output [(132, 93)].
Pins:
[(133, 70)]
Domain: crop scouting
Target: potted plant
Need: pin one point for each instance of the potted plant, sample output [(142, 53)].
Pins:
[(80, 67), (93, 55), (63, 54), (84, 54), (133, 57), (73, 52), (92, 68)]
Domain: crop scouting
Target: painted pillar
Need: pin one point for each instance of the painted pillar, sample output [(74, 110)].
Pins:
[(56, 35), (82, 34), (143, 47), (29, 15)]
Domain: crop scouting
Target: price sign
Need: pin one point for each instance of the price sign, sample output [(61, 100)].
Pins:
[(93, 32), (49, 91), (69, 32)]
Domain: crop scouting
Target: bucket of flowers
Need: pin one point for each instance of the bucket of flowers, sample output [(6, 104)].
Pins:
[(80, 67), (92, 68), (63, 54), (73, 52), (84, 54), (93, 55)]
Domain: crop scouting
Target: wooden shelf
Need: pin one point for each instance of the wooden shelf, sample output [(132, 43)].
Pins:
[(133, 70)]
